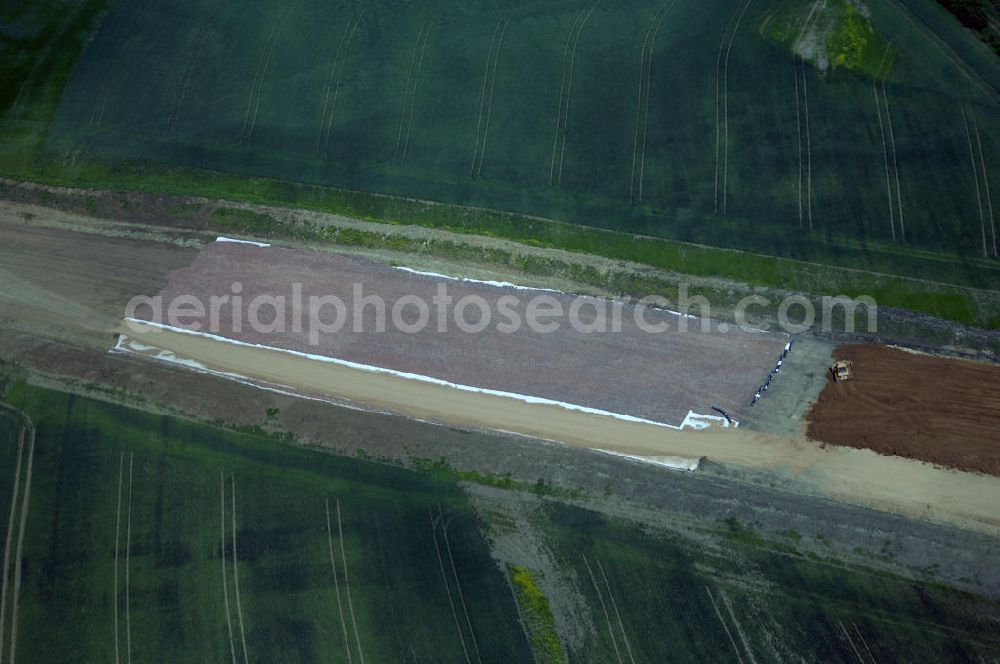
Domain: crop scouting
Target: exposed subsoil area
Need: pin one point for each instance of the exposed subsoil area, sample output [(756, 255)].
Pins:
[(658, 376), (933, 409)]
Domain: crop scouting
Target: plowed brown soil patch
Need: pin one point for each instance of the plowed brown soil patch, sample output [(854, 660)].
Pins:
[(933, 409)]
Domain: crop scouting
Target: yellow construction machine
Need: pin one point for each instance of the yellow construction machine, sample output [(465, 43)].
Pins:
[(842, 370)]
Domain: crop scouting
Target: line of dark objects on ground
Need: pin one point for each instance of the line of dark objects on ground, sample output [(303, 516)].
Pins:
[(767, 382)]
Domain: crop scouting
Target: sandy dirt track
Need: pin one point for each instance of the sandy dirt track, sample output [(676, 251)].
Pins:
[(929, 408), (856, 476)]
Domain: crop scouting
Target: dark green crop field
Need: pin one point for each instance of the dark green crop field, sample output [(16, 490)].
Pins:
[(132, 535), (679, 119), (858, 135), (150, 537)]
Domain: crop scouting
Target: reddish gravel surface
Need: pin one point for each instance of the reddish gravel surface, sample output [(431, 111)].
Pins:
[(654, 376), (933, 409)]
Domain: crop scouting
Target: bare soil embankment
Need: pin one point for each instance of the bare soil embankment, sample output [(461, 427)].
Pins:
[(900, 403)]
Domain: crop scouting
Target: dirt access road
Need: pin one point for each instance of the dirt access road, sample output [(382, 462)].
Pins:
[(856, 476)]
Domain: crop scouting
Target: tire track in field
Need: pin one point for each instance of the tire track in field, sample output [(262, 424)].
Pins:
[(864, 642), (986, 182), (19, 553), (799, 107), (236, 572), (225, 587), (975, 177), (486, 98), (347, 585), (336, 584), (639, 105), (725, 109), (128, 540), (410, 89), (809, 159), (850, 642), (736, 624), (645, 103), (614, 605), (722, 81), (565, 91), (895, 160), (334, 82), (604, 608), (885, 147), (947, 50), (110, 78), (118, 522), (458, 585), (725, 626), (191, 63), (263, 64), (798, 130), (447, 588), (10, 539)]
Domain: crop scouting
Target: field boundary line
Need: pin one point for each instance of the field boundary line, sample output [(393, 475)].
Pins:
[(347, 584), (225, 588), (447, 589), (128, 539), (725, 108), (19, 553), (604, 608), (614, 605), (736, 624), (490, 97), (236, 571), (986, 182), (975, 177), (725, 626), (336, 583), (333, 84), (649, 85), (569, 69), (10, 538), (885, 147), (458, 584)]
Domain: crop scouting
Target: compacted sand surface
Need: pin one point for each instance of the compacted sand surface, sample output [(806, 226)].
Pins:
[(656, 376)]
